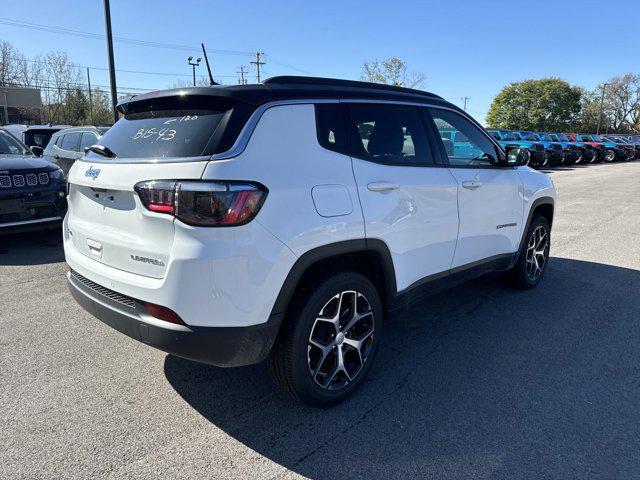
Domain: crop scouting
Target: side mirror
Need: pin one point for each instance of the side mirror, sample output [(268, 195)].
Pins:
[(517, 157), (37, 151)]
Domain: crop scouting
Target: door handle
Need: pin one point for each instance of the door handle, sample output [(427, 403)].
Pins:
[(382, 186), (471, 185)]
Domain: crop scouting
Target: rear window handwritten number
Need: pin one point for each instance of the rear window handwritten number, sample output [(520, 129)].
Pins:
[(155, 134)]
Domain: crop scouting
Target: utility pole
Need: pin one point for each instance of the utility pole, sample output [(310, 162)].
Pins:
[(464, 101), (604, 86), (194, 65), (241, 72), (112, 68), (258, 63), (90, 97)]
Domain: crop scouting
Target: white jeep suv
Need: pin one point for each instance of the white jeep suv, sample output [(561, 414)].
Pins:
[(284, 221)]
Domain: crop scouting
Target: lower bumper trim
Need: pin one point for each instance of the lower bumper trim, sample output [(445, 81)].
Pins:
[(220, 346), (30, 222)]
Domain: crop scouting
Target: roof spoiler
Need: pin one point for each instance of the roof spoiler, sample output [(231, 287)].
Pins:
[(339, 82)]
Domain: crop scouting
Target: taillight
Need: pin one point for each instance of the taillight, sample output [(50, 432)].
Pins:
[(202, 203), (157, 195)]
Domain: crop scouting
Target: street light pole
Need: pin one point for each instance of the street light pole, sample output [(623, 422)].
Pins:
[(604, 86), (193, 66), (112, 69)]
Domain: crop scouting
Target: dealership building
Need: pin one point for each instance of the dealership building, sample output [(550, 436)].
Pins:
[(20, 105)]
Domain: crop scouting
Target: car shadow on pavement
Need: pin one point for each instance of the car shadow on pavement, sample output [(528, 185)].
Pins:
[(481, 380), (32, 248)]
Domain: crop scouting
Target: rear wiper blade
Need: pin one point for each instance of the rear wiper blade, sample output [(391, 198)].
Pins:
[(101, 150)]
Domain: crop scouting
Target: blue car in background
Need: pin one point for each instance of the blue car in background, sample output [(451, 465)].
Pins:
[(585, 152), (628, 150), (538, 157), (553, 149), (629, 140), (570, 153)]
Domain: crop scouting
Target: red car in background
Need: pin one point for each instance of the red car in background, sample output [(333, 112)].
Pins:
[(607, 151), (588, 143)]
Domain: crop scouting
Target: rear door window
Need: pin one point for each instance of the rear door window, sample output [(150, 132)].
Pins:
[(389, 134), (70, 142), (162, 133), (88, 139)]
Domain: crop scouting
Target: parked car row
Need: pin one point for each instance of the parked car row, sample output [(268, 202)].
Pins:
[(553, 149), (34, 163)]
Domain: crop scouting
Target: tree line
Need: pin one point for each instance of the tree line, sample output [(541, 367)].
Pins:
[(552, 104), (65, 94)]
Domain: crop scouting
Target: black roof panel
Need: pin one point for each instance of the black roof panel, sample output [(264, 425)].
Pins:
[(286, 88)]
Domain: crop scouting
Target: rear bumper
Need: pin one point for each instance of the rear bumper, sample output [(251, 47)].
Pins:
[(220, 346), (30, 225), (37, 207)]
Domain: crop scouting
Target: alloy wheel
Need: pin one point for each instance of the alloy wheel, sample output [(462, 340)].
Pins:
[(341, 340), (610, 156), (537, 253)]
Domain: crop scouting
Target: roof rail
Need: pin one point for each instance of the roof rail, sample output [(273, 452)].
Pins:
[(338, 82)]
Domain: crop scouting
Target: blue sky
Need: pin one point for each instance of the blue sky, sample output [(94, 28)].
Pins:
[(464, 47)]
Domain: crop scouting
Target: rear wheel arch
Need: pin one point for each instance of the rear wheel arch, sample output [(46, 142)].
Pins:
[(369, 257)]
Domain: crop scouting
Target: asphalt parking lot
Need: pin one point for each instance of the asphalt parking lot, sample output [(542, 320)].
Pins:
[(481, 381)]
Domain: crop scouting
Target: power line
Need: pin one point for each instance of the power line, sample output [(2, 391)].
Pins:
[(145, 43), (75, 85), (131, 41), (129, 71), (287, 65)]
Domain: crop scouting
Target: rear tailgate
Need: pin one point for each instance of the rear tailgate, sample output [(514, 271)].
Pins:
[(107, 221), (167, 135)]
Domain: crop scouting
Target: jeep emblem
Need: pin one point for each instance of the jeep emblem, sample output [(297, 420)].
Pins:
[(92, 172)]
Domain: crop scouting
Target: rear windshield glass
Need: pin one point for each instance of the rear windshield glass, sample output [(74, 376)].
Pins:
[(38, 138), (161, 133)]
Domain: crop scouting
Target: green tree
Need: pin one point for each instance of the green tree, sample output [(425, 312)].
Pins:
[(547, 104)]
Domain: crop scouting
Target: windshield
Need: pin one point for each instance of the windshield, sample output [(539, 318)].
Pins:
[(532, 137), (546, 137), (38, 138), (161, 133), (562, 137), (597, 138), (508, 136), (9, 145)]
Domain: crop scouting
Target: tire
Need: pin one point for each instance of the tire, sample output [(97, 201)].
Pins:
[(578, 160), (520, 275), (306, 357), (610, 156)]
